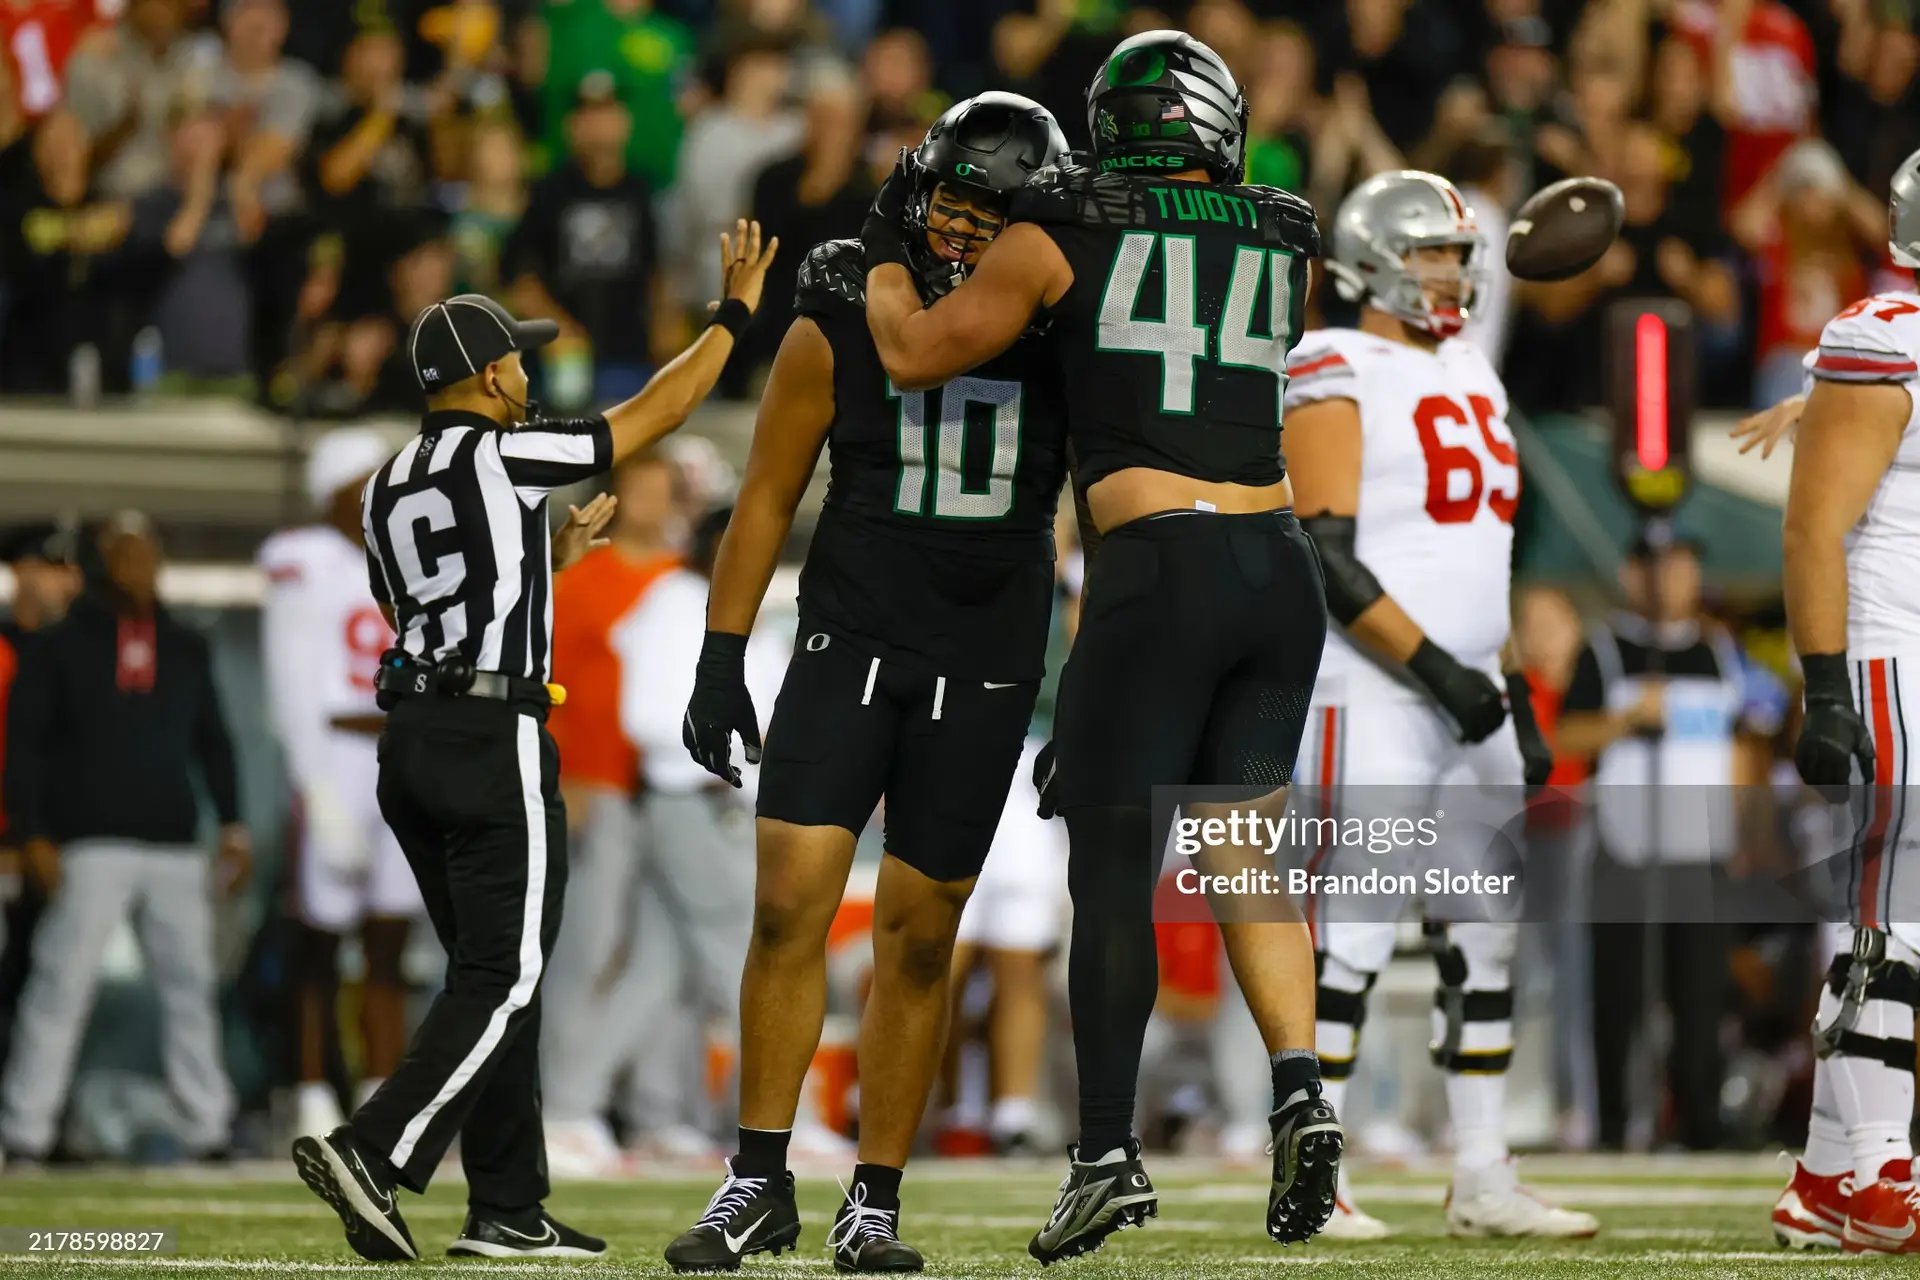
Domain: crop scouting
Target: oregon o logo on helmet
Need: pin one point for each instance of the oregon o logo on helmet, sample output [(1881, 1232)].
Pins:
[(965, 170)]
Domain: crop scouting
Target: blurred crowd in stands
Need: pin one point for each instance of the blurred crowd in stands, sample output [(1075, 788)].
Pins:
[(255, 196)]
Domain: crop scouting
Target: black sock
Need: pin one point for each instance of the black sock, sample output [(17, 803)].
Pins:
[(1294, 1070), (882, 1182), (1113, 969), (763, 1153)]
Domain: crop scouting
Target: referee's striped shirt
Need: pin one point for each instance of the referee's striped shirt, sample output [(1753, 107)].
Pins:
[(458, 541)]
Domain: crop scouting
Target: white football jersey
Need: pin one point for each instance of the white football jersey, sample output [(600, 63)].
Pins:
[(1439, 481), (321, 637), (1878, 340)]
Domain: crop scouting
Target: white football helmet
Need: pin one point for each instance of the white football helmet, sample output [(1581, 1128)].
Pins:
[(1379, 226)]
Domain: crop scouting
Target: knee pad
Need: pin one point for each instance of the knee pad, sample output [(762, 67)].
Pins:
[(1473, 1004), (1878, 970), (1340, 1010)]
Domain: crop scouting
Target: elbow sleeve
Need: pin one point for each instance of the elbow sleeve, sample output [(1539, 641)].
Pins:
[(1351, 586)]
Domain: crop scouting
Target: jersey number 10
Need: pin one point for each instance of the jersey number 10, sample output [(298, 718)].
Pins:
[(1178, 338), (946, 468)]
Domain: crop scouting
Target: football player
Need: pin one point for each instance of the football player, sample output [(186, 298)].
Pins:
[(1852, 549), (1173, 294), (1405, 473), (924, 609), (321, 638)]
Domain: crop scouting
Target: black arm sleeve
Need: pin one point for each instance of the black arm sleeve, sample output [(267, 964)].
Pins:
[(1351, 586)]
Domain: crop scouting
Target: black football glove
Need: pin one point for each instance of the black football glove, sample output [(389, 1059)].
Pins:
[(1833, 737), (1044, 782), (1473, 701), (721, 707), (1536, 757), (882, 237)]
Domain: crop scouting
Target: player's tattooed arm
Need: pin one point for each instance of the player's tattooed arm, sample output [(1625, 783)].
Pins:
[(796, 412), (1021, 272)]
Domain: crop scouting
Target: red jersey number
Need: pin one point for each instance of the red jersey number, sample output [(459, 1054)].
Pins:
[(1891, 311), (1449, 501), (367, 637)]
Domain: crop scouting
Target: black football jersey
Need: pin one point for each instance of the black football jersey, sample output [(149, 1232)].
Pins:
[(935, 547), (1174, 335)]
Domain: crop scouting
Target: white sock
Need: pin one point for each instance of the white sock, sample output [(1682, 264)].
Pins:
[(969, 1109), (1013, 1116), (1335, 1092), (315, 1093), (1478, 1104), (1874, 1101), (1828, 1154)]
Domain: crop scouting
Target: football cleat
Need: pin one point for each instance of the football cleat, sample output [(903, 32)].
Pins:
[(1491, 1202), (1096, 1199), (1882, 1217), (746, 1215), (335, 1169), (533, 1234), (1307, 1140), (866, 1238), (1811, 1212)]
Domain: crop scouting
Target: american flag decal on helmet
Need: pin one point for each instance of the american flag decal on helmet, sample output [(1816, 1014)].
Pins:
[(1172, 111)]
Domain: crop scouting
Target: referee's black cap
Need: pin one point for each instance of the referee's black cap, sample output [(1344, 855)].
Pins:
[(453, 340), (45, 541)]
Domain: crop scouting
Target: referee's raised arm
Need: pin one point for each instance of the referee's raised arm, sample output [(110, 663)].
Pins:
[(674, 392)]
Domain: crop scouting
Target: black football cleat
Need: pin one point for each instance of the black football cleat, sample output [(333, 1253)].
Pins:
[(1096, 1200), (746, 1215), (1307, 1140), (533, 1234), (335, 1169), (865, 1238)]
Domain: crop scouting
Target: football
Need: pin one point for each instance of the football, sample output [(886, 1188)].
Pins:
[(1564, 229)]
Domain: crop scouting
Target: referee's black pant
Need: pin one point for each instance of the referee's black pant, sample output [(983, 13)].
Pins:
[(470, 787)]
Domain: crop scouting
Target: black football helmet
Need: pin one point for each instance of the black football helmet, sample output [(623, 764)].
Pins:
[(990, 145), (1163, 103)]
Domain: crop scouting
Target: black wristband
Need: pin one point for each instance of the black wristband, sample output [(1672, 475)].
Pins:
[(731, 315), (1827, 677), (1431, 664)]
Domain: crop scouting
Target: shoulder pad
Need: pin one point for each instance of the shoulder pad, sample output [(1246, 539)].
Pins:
[(835, 271), (1875, 340), (1289, 219), (1073, 195)]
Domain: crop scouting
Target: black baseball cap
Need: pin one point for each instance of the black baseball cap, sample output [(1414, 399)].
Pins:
[(45, 541), (453, 340)]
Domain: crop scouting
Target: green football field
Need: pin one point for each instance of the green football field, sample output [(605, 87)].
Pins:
[(1680, 1216)]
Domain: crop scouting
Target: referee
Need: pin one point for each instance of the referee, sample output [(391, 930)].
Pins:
[(461, 560)]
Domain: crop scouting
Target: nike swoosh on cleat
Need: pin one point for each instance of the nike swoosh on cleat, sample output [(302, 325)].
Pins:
[(991, 685), (734, 1242), (550, 1236), (1884, 1233), (384, 1199)]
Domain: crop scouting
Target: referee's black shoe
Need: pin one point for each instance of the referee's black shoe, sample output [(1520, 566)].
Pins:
[(1307, 1140), (746, 1215), (339, 1172), (867, 1238), (532, 1233), (1097, 1198)]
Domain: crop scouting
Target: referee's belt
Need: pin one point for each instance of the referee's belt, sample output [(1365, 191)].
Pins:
[(402, 675)]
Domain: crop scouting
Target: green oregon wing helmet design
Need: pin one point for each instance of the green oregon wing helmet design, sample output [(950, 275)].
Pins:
[(1903, 214), (1164, 103), (1379, 225), (990, 145)]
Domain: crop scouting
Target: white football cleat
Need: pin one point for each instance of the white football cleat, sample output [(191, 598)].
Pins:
[(1349, 1222), (1491, 1202)]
